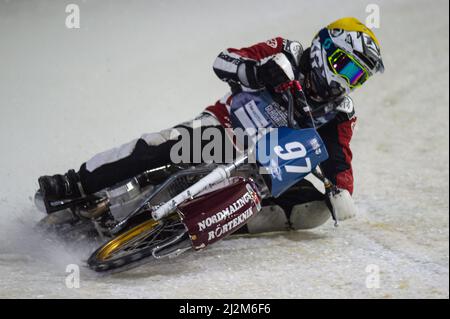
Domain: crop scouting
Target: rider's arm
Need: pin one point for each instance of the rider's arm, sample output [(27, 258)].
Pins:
[(336, 136), (240, 65)]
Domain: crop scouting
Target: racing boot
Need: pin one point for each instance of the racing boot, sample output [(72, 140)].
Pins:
[(60, 187)]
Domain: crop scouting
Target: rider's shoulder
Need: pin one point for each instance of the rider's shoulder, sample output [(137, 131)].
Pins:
[(293, 48), (346, 108)]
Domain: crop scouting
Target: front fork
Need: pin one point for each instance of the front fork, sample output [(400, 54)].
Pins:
[(330, 190)]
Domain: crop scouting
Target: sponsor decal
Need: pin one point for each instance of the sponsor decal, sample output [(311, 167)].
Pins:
[(225, 213), (272, 43), (255, 114), (215, 215), (315, 146), (229, 59), (232, 224), (276, 115), (275, 170)]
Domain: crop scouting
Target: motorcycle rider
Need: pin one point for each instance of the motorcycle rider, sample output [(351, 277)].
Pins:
[(342, 57)]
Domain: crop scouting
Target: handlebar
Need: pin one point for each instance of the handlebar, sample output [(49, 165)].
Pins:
[(293, 90)]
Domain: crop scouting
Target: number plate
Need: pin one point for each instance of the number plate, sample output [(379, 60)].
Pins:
[(288, 155)]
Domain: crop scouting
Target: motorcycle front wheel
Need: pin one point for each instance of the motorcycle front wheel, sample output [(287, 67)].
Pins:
[(138, 243)]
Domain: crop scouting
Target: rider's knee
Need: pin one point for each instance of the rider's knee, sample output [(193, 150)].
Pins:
[(304, 216), (269, 219), (309, 215)]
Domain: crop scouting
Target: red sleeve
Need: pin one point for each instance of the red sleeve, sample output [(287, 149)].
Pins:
[(239, 65), (260, 50), (338, 167), (344, 178)]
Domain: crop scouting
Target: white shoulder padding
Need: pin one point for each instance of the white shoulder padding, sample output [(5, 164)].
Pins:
[(346, 106)]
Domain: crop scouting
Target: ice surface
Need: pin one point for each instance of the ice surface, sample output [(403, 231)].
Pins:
[(141, 66)]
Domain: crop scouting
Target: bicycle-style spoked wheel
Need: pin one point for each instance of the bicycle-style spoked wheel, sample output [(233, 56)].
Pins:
[(137, 243)]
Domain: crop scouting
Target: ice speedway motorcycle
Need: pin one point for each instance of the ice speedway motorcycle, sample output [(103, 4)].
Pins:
[(170, 210)]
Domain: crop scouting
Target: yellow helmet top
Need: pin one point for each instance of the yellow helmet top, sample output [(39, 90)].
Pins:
[(353, 24)]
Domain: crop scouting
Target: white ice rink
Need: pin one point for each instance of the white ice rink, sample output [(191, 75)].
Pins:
[(141, 66)]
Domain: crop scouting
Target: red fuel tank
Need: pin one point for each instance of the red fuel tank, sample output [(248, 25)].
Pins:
[(214, 215)]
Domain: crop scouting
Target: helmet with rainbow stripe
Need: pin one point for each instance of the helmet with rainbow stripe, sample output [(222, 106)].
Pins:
[(344, 55)]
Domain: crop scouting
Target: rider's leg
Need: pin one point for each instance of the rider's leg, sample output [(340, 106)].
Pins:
[(301, 207), (118, 164)]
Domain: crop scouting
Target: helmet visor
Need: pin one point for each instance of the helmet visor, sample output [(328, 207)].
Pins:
[(348, 68)]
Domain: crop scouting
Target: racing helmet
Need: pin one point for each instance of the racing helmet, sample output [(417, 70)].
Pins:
[(343, 56)]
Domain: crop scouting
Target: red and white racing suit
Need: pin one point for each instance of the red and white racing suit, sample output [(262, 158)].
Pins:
[(233, 66), (237, 65)]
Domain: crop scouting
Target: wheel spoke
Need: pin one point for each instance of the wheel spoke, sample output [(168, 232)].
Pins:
[(147, 240)]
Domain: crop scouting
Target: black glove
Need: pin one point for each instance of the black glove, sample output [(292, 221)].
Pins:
[(275, 71)]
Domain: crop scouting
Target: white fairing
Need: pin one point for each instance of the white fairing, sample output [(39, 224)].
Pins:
[(343, 205)]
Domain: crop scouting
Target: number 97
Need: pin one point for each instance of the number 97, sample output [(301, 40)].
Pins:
[(294, 150)]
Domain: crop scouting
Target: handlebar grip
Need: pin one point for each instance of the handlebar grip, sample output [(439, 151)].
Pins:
[(289, 86)]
